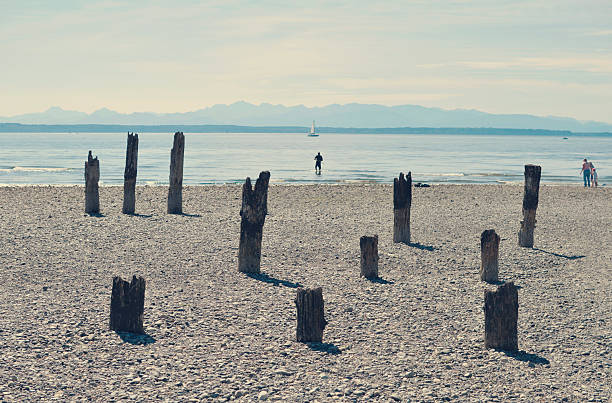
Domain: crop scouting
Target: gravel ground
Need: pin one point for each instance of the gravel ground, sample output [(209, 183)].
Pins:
[(216, 334)]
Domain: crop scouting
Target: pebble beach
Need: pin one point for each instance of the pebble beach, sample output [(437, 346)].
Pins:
[(214, 334)]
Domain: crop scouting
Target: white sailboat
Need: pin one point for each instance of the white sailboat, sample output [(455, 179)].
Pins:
[(313, 132)]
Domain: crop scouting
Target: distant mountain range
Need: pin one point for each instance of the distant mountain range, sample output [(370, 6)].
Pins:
[(344, 116)]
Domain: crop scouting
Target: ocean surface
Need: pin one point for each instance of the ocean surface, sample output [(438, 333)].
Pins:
[(215, 158)]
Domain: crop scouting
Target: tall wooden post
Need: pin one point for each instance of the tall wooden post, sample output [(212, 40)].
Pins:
[(501, 317), (92, 176), (489, 256), (127, 305), (310, 315), (175, 190), (402, 200), (369, 256), (530, 204), (253, 213), (129, 176)]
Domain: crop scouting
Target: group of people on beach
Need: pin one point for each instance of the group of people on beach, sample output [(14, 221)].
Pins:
[(589, 173)]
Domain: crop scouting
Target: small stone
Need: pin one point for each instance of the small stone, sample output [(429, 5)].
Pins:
[(396, 397), (263, 395)]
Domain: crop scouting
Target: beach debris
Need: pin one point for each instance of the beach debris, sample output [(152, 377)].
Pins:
[(369, 256), (175, 189), (92, 176), (422, 185), (501, 316), (530, 204), (127, 305), (129, 176), (402, 200), (310, 315), (489, 256), (253, 213)]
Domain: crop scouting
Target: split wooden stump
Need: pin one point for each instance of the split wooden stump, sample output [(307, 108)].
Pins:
[(253, 213), (369, 256), (310, 315), (92, 177), (175, 190), (129, 176), (489, 256), (501, 317), (402, 200), (127, 305), (530, 204)]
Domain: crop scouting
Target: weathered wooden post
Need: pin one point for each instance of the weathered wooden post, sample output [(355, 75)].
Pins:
[(369, 256), (129, 176), (501, 317), (253, 213), (175, 190), (310, 315), (92, 176), (402, 199), (127, 305), (530, 204), (489, 256)]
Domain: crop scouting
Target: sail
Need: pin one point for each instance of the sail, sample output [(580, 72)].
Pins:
[(312, 128)]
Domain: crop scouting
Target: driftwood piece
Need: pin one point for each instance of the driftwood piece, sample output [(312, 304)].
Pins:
[(369, 256), (127, 305), (530, 204), (310, 315), (501, 317), (489, 256), (92, 176), (129, 176), (175, 189), (253, 213), (402, 200)]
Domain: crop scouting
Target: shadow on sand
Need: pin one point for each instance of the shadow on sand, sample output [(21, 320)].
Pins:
[(422, 247), (527, 357), (379, 280), (190, 215), (135, 338), (328, 348), (141, 215), (98, 215), (500, 282), (560, 255), (271, 280)]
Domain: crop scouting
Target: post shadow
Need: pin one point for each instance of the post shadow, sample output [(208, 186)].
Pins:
[(526, 357), (263, 277), (190, 215), (499, 282), (139, 215), (329, 348), (380, 280), (418, 245), (136, 339), (502, 282), (559, 254), (97, 215)]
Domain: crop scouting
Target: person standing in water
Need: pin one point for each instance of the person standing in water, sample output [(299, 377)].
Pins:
[(318, 158), (586, 173), (594, 177)]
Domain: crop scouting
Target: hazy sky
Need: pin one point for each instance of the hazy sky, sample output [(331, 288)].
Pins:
[(544, 57)]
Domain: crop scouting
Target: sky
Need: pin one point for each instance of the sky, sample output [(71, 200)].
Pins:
[(541, 57)]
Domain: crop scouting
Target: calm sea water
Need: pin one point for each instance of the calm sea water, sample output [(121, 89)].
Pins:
[(58, 158)]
